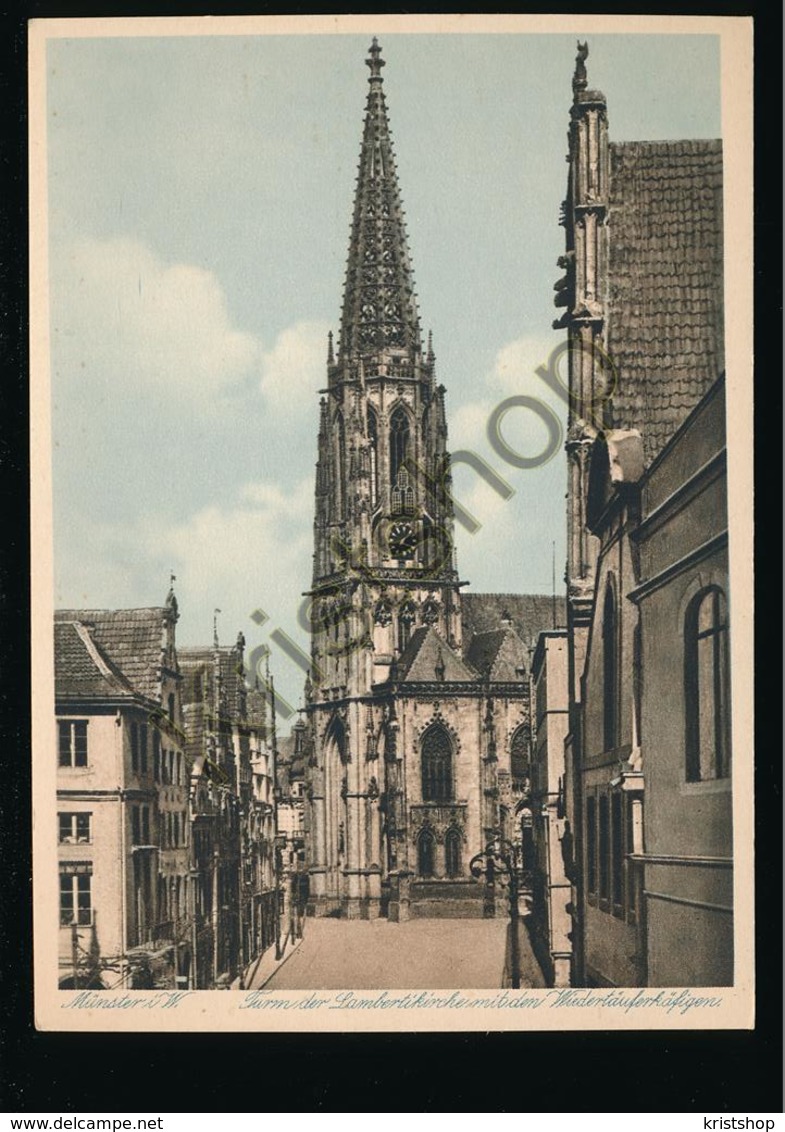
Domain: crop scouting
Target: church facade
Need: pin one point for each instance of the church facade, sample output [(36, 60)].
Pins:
[(417, 701)]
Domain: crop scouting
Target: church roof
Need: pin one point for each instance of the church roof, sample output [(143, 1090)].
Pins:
[(379, 304), (528, 615), (665, 275), (500, 654), (428, 657), (133, 641)]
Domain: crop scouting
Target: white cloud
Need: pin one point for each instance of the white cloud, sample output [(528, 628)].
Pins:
[(125, 314), (294, 368), (240, 558)]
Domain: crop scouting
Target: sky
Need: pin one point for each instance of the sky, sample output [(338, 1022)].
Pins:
[(200, 197)]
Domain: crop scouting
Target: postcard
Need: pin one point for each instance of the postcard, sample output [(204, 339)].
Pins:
[(391, 402)]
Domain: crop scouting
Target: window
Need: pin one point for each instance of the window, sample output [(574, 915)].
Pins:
[(610, 671), (707, 705), (340, 471), (135, 748), (452, 852), (171, 707), (75, 894), (632, 888), (436, 756), (373, 455), (425, 854), (140, 825), (591, 844), (617, 852), (157, 769), (72, 742), (399, 443), (74, 829), (406, 619), (604, 847), (143, 748), (519, 755)]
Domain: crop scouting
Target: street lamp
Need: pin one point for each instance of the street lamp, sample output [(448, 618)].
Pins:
[(498, 863), (279, 843)]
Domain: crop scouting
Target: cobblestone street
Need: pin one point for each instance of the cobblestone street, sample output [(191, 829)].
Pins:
[(421, 954)]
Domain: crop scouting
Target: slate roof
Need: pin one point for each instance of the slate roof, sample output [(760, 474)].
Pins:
[(426, 652), (82, 670), (482, 614), (132, 640), (665, 287)]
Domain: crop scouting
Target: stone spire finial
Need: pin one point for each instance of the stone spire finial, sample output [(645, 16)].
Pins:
[(215, 627), (375, 62), (171, 600), (580, 79), (330, 350), (379, 313)]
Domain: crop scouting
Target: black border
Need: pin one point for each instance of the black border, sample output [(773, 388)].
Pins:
[(707, 1072)]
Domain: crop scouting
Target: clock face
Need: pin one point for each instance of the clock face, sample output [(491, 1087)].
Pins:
[(402, 540)]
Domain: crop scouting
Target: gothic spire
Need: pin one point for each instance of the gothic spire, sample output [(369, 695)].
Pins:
[(379, 306)]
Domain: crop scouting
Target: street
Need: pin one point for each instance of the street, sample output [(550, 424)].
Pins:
[(421, 954)]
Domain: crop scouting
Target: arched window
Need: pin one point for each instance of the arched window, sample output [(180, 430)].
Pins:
[(519, 755), (406, 618), (610, 672), (399, 443), (436, 757), (452, 853), (425, 854), (337, 734), (340, 471), (706, 687), (373, 455)]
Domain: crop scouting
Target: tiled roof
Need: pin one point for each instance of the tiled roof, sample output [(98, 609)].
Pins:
[(529, 614), (426, 653), (82, 670), (665, 298), (499, 653), (133, 640)]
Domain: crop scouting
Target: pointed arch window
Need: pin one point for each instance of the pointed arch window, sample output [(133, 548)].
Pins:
[(340, 471), (610, 671), (452, 853), (436, 760), (373, 456), (406, 619), (400, 437), (426, 853), (706, 687)]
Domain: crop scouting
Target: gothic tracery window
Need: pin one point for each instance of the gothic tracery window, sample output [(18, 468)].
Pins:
[(373, 456), (436, 760), (399, 443), (706, 687)]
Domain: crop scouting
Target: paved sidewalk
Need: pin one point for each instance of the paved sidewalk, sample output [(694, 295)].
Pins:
[(262, 969), (421, 954)]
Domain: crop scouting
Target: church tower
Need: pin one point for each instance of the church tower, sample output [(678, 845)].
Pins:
[(417, 697), (383, 530)]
